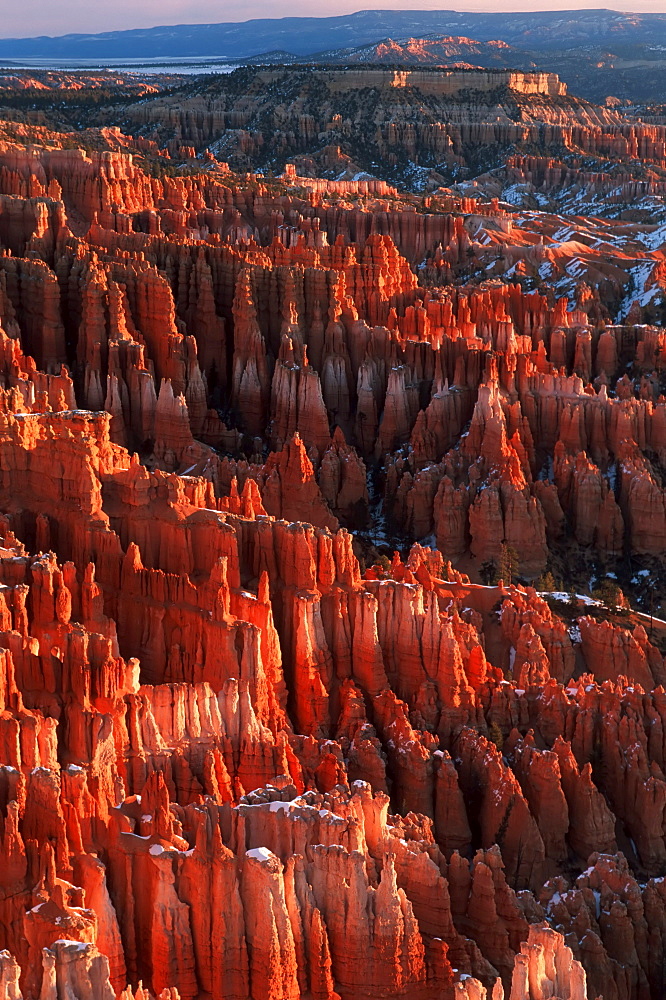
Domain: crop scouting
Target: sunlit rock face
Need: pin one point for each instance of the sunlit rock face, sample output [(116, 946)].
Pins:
[(332, 526)]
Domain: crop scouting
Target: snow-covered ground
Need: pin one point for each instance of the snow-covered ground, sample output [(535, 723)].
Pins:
[(561, 595)]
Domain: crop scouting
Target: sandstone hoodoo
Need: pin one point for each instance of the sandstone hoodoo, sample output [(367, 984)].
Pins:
[(332, 538)]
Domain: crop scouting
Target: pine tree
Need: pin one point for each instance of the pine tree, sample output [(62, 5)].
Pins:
[(508, 566), (488, 572), (547, 583), (495, 736)]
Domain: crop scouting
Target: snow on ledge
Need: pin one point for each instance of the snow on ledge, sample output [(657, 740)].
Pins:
[(260, 854)]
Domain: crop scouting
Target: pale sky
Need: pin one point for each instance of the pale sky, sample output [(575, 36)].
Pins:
[(57, 17)]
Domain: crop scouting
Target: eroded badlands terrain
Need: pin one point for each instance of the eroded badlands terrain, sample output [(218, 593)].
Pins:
[(333, 525)]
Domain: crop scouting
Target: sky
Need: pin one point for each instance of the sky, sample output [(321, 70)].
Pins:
[(57, 17)]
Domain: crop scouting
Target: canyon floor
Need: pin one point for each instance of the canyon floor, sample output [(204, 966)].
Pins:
[(332, 537)]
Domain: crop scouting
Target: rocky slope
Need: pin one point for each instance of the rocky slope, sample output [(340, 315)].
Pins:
[(412, 127), (295, 477), (418, 128)]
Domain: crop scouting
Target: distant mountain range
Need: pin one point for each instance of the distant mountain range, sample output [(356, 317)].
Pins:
[(302, 36), (439, 50)]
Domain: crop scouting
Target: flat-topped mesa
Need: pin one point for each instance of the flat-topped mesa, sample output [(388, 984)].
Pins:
[(431, 81)]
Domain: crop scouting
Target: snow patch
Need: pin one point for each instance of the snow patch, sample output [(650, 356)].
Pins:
[(259, 854)]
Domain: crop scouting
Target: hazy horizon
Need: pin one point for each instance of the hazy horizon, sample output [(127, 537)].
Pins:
[(60, 17)]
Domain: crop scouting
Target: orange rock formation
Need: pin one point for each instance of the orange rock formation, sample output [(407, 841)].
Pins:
[(244, 753)]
